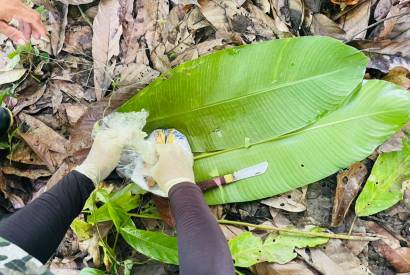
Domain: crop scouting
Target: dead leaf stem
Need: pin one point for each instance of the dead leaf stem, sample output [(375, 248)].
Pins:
[(85, 17), (375, 24), (284, 230)]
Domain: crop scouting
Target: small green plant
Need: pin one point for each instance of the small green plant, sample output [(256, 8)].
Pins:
[(41, 10), (30, 53)]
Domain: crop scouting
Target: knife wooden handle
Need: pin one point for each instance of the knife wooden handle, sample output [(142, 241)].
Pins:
[(215, 182)]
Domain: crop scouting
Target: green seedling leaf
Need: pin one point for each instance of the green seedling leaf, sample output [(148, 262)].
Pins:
[(82, 229), (248, 249), (41, 10), (119, 216), (21, 49), (3, 94), (155, 245), (383, 188), (307, 115), (128, 264), (91, 271), (4, 145), (126, 199)]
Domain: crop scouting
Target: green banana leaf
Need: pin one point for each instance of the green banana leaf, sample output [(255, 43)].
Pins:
[(336, 140), (156, 245), (296, 103), (251, 93)]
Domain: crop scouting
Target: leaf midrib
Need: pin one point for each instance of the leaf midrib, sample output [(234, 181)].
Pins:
[(297, 132), (262, 91)]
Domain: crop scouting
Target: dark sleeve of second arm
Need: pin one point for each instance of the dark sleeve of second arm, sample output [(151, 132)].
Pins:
[(202, 247)]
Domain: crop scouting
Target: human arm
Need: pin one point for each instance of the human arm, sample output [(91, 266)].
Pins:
[(202, 247), (29, 21), (39, 227)]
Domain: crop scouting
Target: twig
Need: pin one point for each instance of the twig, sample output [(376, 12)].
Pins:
[(348, 10), (352, 225), (375, 24), (284, 230), (85, 17), (304, 233)]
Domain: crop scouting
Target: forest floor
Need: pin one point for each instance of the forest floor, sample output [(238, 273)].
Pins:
[(101, 53)]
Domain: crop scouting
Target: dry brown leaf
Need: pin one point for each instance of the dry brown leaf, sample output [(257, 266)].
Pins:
[(264, 26), (390, 249), (385, 54), (382, 9), (57, 176), (355, 22), (80, 140), (31, 98), (73, 112), (78, 39), (214, 12), (264, 5), (344, 3), (230, 231), (291, 12), (56, 97), (320, 24), (23, 154), (75, 2), (30, 173), (92, 245), (295, 267), (398, 24), (395, 142), (16, 201), (293, 201), (11, 76), (49, 146), (164, 210), (349, 183), (399, 76), (136, 76), (107, 31), (145, 30), (3, 183), (200, 49), (56, 24), (131, 49), (335, 258)]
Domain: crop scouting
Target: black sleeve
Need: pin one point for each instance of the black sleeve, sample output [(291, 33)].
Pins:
[(39, 227), (202, 247)]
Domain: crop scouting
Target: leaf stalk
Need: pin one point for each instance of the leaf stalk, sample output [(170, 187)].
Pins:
[(284, 230)]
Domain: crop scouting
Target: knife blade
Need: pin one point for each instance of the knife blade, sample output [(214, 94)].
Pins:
[(244, 173)]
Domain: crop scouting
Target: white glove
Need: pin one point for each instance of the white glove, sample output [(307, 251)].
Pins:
[(175, 165), (104, 155)]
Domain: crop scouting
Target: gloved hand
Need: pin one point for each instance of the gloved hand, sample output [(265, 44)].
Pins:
[(104, 155), (175, 165), (29, 21)]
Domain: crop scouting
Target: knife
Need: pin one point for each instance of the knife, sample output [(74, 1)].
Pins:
[(245, 173)]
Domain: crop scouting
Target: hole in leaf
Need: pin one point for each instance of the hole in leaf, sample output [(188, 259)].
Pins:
[(289, 196), (282, 204), (302, 165)]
